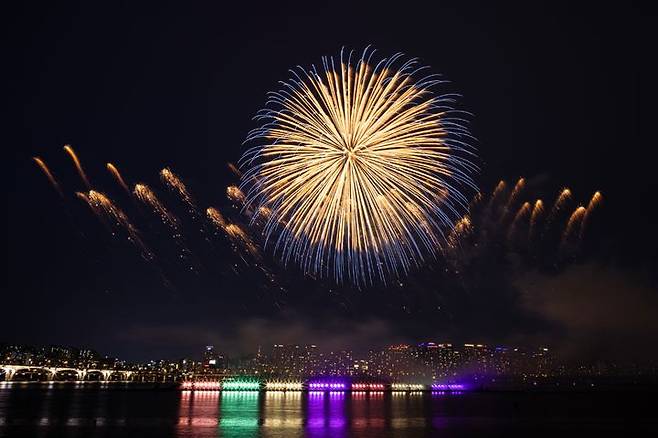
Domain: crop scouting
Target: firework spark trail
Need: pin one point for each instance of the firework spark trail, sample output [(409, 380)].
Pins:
[(216, 218), (105, 208), (336, 140), (518, 188), (234, 169), (49, 175), (498, 190), (574, 220), (69, 150), (523, 212), (477, 199), (537, 211), (461, 229), (148, 197), (235, 194), (500, 187), (85, 198), (175, 184), (117, 176), (238, 236), (564, 195), (597, 197)]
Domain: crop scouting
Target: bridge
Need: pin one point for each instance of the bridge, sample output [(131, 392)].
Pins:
[(103, 375)]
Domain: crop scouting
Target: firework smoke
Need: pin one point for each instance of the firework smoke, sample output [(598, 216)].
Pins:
[(69, 150), (49, 175)]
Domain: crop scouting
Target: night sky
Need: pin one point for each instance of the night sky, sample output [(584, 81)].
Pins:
[(563, 96)]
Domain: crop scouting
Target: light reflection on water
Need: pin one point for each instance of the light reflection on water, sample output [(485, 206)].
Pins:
[(67, 411), (70, 411)]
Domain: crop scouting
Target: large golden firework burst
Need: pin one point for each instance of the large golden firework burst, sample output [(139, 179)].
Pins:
[(361, 166)]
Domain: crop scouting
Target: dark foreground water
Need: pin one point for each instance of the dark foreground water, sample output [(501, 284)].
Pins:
[(92, 411)]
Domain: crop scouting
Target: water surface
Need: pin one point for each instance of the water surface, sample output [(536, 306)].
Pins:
[(94, 411)]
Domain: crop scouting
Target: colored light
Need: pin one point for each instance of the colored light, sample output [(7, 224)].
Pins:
[(201, 386), (407, 387), (283, 386), (327, 385), (241, 385), (448, 386)]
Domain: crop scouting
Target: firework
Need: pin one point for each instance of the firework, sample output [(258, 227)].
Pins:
[(238, 236), (523, 212), (559, 202), (235, 194), (475, 201), (69, 150), (85, 198), (234, 169), (498, 190), (518, 188), (104, 208), (148, 197), (461, 229), (174, 183), (344, 152), (537, 211), (597, 197), (574, 220), (49, 175), (263, 214), (117, 176), (216, 218)]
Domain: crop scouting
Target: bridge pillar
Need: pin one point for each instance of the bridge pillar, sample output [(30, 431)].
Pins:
[(52, 372), (9, 373)]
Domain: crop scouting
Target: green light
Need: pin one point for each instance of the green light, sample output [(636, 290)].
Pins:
[(241, 385), (239, 413)]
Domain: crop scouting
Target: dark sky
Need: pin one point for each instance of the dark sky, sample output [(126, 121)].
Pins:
[(560, 95)]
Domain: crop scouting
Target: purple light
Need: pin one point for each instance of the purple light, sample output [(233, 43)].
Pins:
[(327, 385), (448, 387)]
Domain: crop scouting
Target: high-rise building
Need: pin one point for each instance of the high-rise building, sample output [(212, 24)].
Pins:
[(212, 359)]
